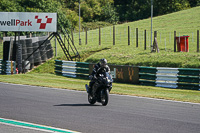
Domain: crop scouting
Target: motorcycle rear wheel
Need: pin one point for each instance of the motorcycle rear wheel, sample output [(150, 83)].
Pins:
[(104, 97), (91, 99)]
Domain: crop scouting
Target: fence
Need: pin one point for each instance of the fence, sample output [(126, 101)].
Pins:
[(72, 69), (7, 67), (182, 78), (136, 36)]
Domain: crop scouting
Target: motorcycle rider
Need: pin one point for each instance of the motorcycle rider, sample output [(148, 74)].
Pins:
[(98, 69)]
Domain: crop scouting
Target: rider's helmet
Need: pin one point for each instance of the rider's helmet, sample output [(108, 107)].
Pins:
[(103, 63)]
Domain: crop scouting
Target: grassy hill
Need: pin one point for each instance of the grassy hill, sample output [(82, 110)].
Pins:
[(185, 22)]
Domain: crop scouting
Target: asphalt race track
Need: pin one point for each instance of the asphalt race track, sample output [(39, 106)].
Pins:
[(70, 110)]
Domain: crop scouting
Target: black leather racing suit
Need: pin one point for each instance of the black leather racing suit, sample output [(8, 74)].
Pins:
[(96, 71)]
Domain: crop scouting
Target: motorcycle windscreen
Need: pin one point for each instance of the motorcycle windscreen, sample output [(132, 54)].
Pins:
[(109, 77)]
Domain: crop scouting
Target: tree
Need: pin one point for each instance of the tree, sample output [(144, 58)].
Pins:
[(109, 14), (130, 10), (98, 10), (194, 3), (9, 6), (35, 6)]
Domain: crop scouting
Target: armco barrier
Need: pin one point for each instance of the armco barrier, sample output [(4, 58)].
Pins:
[(72, 69), (7, 67), (182, 78), (123, 74)]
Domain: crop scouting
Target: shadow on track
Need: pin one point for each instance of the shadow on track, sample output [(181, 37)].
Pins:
[(74, 105)]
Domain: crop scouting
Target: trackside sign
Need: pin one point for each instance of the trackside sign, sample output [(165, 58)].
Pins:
[(25, 21)]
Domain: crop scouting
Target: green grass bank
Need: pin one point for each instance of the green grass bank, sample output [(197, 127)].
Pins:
[(184, 23), (51, 80)]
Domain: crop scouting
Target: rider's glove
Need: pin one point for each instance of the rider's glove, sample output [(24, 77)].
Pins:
[(94, 77)]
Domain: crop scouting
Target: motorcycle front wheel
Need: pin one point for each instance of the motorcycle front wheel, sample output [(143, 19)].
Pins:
[(91, 99), (104, 97)]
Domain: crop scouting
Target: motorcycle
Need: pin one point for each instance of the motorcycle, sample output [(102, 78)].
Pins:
[(100, 89)]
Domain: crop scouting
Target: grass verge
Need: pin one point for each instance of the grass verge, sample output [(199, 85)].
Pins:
[(54, 81)]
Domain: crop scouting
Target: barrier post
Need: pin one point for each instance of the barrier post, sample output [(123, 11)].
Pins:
[(145, 39), (99, 36), (86, 36), (197, 40), (113, 35), (136, 37), (174, 41), (128, 35)]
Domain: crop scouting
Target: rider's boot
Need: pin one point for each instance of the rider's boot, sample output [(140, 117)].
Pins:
[(89, 90)]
